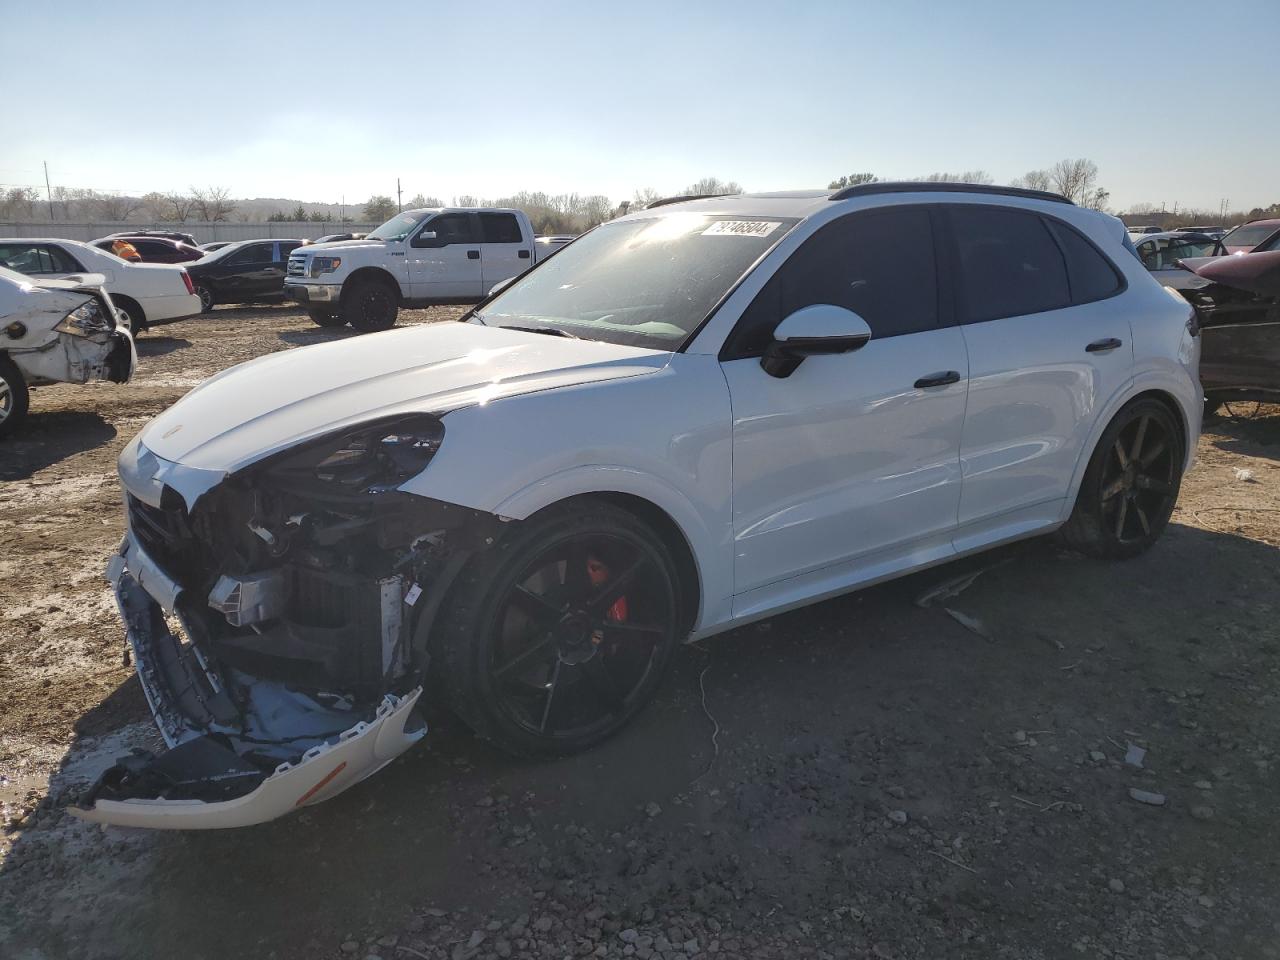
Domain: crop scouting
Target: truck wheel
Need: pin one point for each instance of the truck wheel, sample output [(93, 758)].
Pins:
[(1130, 485), (206, 297), (370, 306), (556, 637), (13, 395), (327, 318)]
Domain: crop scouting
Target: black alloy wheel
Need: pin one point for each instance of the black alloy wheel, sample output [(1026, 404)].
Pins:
[(370, 307), (563, 635), (1131, 483)]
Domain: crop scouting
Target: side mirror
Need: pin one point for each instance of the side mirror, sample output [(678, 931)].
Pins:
[(427, 235), (813, 331), (501, 285)]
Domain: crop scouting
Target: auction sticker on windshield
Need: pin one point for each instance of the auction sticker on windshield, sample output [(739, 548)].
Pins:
[(741, 228)]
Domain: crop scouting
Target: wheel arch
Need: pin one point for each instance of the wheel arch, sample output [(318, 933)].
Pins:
[(122, 298), (375, 275), (1165, 397)]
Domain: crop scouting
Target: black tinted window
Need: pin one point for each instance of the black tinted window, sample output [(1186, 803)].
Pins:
[(152, 248), (880, 265), (500, 228), (287, 247), (63, 262), (254, 253), (1009, 263), (450, 228), (1089, 274)]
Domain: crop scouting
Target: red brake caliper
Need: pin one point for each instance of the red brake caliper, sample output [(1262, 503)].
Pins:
[(598, 574)]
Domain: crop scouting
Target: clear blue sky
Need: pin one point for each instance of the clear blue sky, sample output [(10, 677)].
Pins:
[(314, 100)]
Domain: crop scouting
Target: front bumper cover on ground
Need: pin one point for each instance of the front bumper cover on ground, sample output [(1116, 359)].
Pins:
[(200, 769)]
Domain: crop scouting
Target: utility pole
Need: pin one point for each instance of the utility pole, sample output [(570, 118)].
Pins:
[(342, 209), (48, 190), (399, 207)]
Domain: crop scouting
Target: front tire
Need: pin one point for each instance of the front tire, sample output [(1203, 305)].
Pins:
[(326, 318), (553, 639), (14, 397), (1130, 485), (370, 306)]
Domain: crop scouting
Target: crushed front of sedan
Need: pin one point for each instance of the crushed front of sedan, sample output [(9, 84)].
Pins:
[(275, 619)]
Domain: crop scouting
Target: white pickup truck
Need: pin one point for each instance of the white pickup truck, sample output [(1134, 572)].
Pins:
[(418, 257)]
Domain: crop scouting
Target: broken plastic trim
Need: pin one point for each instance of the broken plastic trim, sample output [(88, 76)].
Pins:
[(202, 782)]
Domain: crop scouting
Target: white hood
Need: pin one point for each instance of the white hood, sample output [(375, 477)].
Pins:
[(277, 401)]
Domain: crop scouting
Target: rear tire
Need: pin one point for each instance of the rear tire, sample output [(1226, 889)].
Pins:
[(1211, 407), (1131, 483), (137, 319), (14, 396), (370, 306), (206, 297), (557, 636), (327, 318)]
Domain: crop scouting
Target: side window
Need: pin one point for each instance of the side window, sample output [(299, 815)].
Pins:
[(1147, 254), (1089, 275), (1010, 264), (21, 257), (1187, 247), (63, 262), (449, 228), (254, 253), (500, 228), (286, 248), (881, 265), (151, 249)]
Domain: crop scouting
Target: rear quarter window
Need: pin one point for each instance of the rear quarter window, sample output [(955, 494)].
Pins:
[(1090, 275)]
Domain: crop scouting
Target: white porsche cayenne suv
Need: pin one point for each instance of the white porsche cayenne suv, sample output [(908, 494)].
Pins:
[(691, 417)]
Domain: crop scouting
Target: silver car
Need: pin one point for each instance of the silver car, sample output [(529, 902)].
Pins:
[(1160, 253)]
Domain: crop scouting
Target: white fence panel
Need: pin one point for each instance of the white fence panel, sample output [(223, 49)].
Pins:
[(203, 232)]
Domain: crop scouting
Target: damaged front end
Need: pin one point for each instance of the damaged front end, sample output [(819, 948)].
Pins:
[(278, 620)]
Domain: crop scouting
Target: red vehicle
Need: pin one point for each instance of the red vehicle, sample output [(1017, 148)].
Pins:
[(1256, 235), (155, 249)]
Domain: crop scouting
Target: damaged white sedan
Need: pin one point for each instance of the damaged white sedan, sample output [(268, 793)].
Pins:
[(690, 418), (57, 331)]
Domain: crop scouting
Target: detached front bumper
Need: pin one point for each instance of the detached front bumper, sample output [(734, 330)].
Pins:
[(213, 775), (322, 293)]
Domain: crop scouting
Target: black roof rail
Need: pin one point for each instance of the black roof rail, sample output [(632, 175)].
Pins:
[(692, 196), (936, 186)]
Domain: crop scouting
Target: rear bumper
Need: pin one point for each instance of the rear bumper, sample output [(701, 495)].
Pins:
[(209, 778), (176, 307), (323, 293)]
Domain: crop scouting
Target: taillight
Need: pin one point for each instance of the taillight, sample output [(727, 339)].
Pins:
[(186, 278)]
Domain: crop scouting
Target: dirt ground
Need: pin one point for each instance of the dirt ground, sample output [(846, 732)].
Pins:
[(863, 778)]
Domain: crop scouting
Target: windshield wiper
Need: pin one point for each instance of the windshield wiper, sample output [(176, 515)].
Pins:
[(550, 331)]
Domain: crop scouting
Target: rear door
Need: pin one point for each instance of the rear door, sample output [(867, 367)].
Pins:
[(852, 460), (504, 251), (1049, 345), (448, 265)]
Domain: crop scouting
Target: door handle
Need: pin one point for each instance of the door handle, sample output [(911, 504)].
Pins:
[(473, 254), (940, 379), (523, 254), (1109, 343)]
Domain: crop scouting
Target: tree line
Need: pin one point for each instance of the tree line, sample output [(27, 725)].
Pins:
[(561, 213)]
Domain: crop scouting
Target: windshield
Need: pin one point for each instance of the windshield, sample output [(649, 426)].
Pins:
[(398, 227), (1249, 235), (646, 283)]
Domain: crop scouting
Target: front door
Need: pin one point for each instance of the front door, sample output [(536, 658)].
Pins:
[(505, 251), (246, 273), (448, 265), (1049, 345), (853, 458)]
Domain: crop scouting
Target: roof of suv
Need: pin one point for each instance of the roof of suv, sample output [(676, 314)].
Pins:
[(803, 203)]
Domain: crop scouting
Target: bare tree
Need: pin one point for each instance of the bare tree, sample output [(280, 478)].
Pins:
[(969, 176), (712, 187), (212, 205), (852, 180), (18, 203), (180, 206), (1034, 180), (419, 202), (643, 197)]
